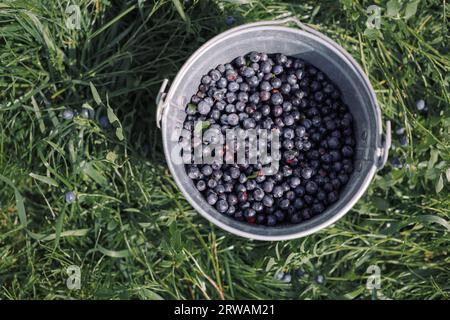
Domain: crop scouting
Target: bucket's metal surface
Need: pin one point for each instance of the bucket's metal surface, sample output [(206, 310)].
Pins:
[(306, 43)]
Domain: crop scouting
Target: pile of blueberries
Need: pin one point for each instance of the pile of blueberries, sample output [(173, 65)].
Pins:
[(275, 92)]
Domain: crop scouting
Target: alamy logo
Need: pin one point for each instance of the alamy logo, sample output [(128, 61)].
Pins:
[(73, 22), (207, 144), (374, 280), (374, 19), (73, 282)]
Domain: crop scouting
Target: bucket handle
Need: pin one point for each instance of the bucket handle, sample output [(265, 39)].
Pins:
[(386, 141), (160, 102)]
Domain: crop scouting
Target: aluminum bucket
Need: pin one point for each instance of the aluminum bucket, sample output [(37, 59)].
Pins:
[(372, 145)]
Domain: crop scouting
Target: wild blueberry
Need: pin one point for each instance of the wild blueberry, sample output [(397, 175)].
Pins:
[(396, 163), (311, 187), (104, 122), (201, 185), (277, 192), (229, 20), (276, 83), (277, 99), (67, 114), (421, 106), (403, 140), (204, 108), (233, 119), (277, 69), (347, 151), (320, 279), (271, 220), (249, 123), (254, 56), (70, 197), (296, 218), (212, 183), (222, 206)]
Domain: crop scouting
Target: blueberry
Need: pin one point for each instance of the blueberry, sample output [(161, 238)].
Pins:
[(403, 140), (253, 81), (212, 198), (201, 185), (230, 20), (233, 86), (286, 88), (268, 201), (332, 197), (249, 123), (250, 215), (104, 122), (232, 199), (333, 143), (239, 61), (212, 183), (206, 79), (231, 75), (222, 206), (251, 185), (265, 86), (287, 278), (300, 273), (311, 187), (67, 114), (277, 111), (254, 56), (299, 203), (194, 172), (288, 144), (276, 99), (288, 120), (320, 279), (276, 83), (215, 75), (204, 108), (247, 72), (222, 82), (396, 163), (347, 151), (87, 113), (300, 131), (318, 208), (277, 69), (70, 197), (400, 131), (206, 170), (258, 194), (294, 182), (271, 220), (264, 96), (420, 105), (280, 215), (296, 218), (307, 173), (265, 67), (277, 192), (233, 119), (242, 196)]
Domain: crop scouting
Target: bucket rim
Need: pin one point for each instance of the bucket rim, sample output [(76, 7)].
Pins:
[(365, 181)]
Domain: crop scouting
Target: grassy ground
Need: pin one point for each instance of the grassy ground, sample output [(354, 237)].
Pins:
[(130, 231)]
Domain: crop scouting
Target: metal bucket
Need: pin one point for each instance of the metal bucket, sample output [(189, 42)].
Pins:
[(372, 145)]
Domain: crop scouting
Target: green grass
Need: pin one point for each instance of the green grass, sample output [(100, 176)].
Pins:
[(130, 230)]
